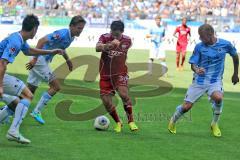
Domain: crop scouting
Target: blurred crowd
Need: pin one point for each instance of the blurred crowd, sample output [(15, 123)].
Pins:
[(127, 9)]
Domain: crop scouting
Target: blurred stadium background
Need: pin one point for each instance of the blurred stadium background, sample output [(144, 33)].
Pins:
[(137, 15)]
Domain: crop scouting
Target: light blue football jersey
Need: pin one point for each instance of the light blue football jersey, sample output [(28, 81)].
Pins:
[(58, 39), (211, 58), (157, 34), (11, 46)]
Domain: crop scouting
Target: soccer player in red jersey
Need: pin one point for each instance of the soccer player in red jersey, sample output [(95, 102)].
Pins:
[(184, 33), (114, 72)]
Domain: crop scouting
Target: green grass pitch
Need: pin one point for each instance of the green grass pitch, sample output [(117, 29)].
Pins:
[(74, 140)]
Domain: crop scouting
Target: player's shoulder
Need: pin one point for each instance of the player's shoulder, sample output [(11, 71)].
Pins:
[(126, 37), (224, 41), (179, 26), (15, 38), (199, 45), (62, 32), (106, 35)]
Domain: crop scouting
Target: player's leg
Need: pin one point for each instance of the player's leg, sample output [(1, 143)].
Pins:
[(54, 87), (106, 93), (180, 110), (42, 72), (32, 88), (193, 94), (127, 104), (15, 87), (162, 58), (9, 109), (111, 109), (152, 55), (216, 94), (150, 64), (184, 48), (178, 51)]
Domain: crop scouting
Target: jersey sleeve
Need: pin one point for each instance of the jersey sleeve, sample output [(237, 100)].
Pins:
[(25, 48), (10, 52), (129, 44), (102, 39), (176, 30), (194, 59), (231, 50), (55, 36)]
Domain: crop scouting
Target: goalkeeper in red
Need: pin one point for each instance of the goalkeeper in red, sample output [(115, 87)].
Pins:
[(114, 72)]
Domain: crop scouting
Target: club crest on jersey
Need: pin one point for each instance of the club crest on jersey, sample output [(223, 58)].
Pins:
[(56, 36), (219, 50), (12, 50)]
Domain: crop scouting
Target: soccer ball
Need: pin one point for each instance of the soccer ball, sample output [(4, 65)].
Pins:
[(101, 123)]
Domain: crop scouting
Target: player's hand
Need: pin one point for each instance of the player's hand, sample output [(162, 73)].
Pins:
[(200, 71), (235, 79), (70, 65), (115, 43), (58, 51), (31, 64), (1, 91)]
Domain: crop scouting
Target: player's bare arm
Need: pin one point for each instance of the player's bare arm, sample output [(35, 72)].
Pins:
[(174, 34), (36, 52), (100, 47), (198, 70), (40, 44), (68, 61), (235, 78), (3, 67)]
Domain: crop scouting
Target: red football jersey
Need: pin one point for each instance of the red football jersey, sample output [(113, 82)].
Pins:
[(183, 32), (113, 62)]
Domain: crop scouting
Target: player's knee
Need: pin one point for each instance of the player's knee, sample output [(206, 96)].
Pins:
[(187, 106), (124, 96), (13, 104), (29, 96), (217, 98), (109, 107), (56, 88)]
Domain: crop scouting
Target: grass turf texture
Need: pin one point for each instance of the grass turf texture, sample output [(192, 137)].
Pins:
[(75, 140)]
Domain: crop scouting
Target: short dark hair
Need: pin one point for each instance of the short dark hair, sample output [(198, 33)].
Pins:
[(29, 22), (117, 26), (77, 19), (206, 28)]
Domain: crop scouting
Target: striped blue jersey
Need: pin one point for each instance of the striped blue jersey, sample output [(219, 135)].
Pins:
[(58, 39), (157, 34), (11, 46), (211, 58)]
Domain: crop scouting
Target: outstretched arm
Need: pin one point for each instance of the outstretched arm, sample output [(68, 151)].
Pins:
[(40, 44), (36, 52), (3, 67), (68, 61), (235, 78), (175, 32)]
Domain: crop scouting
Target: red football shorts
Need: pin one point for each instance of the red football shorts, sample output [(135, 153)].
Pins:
[(108, 84), (181, 48)]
